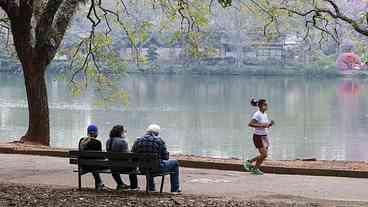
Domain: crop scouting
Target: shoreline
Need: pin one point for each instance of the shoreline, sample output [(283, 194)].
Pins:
[(267, 70), (354, 169)]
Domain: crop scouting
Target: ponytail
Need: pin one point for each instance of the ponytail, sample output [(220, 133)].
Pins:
[(257, 103), (254, 102)]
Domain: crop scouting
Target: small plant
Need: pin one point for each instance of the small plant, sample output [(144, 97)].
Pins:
[(365, 58), (152, 54)]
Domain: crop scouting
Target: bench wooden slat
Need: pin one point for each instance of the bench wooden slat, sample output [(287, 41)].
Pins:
[(113, 164), (113, 155), (74, 161), (108, 171)]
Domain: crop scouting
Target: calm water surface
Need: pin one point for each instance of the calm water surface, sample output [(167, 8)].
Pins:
[(208, 115)]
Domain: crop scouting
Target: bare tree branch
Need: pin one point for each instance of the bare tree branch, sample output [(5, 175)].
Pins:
[(98, 13), (63, 18), (273, 18), (181, 9), (10, 7), (46, 19), (4, 23), (106, 13), (92, 11), (4, 5), (125, 7), (339, 15), (83, 68), (335, 13), (315, 21), (45, 39), (79, 46), (210, 6)]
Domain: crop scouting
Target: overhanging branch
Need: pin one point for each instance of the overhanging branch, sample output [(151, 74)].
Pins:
[(44, 30), (10, 7), (62, 20), (46, 19), (335, 14)]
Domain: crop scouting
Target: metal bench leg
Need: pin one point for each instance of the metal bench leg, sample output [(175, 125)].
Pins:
[(79, 179), (162, 183), (147, 182)]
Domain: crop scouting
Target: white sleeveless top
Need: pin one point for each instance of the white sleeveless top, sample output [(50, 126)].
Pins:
[(261, 118)]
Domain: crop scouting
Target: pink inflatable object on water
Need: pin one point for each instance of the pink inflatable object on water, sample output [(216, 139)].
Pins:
[(348, 61)]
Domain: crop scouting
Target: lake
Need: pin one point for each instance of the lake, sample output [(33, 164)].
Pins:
[(208, 115)]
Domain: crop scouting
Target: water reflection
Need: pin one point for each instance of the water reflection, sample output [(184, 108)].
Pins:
[(349, 87), (203, 115)]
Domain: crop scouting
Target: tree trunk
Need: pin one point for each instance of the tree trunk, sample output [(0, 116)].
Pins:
[(38, 28), (38, 109)]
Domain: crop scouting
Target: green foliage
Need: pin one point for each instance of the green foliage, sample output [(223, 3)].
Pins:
[(77, 88), (200, 12), (225, 3), (322, 66), (365, 58), (311, 70), (192, 48), (172, 39), (324, 60), (152, 54), (96, 64)]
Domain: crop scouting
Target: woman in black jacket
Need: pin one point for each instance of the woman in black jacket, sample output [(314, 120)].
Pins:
[(118, 143)]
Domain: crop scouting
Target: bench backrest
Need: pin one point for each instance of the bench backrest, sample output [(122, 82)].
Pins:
[(117, 160)]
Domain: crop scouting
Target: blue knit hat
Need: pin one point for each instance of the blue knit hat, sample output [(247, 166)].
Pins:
[(92, 129)]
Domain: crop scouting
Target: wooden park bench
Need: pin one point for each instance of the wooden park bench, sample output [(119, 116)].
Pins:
[(123, 163)]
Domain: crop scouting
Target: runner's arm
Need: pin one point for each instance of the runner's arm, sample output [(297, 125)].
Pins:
[(254, 123)]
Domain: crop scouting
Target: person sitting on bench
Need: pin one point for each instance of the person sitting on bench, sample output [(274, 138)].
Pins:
[(117, 143), (151, 142), (91, 143)]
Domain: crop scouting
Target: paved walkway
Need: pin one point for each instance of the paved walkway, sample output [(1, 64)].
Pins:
[(29, 169)]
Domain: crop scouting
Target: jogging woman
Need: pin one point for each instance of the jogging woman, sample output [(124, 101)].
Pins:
[(260, 123)]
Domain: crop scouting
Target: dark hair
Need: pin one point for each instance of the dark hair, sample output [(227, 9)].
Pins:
[(258, 103), (117, 131)]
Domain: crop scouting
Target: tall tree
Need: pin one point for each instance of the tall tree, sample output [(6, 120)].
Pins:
[(38, 28)]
